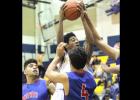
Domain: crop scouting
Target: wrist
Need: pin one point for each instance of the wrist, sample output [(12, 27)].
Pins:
[(82, 17), (61, 20)]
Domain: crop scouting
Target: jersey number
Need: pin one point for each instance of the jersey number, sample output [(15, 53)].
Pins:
[(84, 92)]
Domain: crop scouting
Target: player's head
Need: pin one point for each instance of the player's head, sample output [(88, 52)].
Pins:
[(78, 57), (71, 40), (31, 67)]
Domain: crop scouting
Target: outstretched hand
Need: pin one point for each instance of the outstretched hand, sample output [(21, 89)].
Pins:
[(60, 49), (61, 12), (81, 8)]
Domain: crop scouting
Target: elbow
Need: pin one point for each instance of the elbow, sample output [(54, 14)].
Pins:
[(49, 74)]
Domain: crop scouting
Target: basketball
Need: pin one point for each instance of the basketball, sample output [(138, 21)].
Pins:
[(71, 12)]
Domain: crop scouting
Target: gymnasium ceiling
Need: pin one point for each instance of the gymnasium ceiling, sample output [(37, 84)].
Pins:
[(28, 18)]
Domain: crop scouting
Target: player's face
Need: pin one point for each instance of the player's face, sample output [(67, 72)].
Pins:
[(73, 42), (32, 69)]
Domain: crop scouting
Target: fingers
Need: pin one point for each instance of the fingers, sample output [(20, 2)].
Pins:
[(60, 49), (62, 45), (62, 17), (82, 5), (63, 6), (79, 6)]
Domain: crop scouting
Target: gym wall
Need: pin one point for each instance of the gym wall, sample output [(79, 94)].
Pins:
[(106, 26)]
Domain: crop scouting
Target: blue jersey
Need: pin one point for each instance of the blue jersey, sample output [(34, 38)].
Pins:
[(36, 91), (81, 86)]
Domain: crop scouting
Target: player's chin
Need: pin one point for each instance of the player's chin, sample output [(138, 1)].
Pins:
[(36, 74)]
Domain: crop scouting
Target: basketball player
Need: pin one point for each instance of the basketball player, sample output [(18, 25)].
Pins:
[(72, 41), (112, 52), (70, 38), (78, 84), (35, 88)]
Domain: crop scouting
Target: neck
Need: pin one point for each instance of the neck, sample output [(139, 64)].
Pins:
[(77, 70), (31, 79)]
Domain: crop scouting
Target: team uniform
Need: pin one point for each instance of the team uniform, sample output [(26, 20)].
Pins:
[(65, 67), (36, 91), (81, 86)]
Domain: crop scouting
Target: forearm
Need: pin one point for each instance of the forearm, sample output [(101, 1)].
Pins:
[(107, 69), (60, 32), (89, 48), (89, 39), (52, 65), (110, 51), (115, 69), (94, 32), (51, 88), (88, 32), (99, 42)]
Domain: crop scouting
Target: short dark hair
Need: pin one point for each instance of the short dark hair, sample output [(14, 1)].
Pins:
[(41, 52), (67, 36), (29, 61), (78, 57)]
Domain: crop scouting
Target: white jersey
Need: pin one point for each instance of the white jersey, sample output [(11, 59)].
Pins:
[(65, 67)]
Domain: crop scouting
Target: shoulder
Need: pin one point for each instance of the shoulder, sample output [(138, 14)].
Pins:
[(69, 74), (41, 80), (24, 85)]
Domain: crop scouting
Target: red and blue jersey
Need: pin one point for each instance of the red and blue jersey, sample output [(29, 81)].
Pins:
[(81, 86), (36, 91)]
